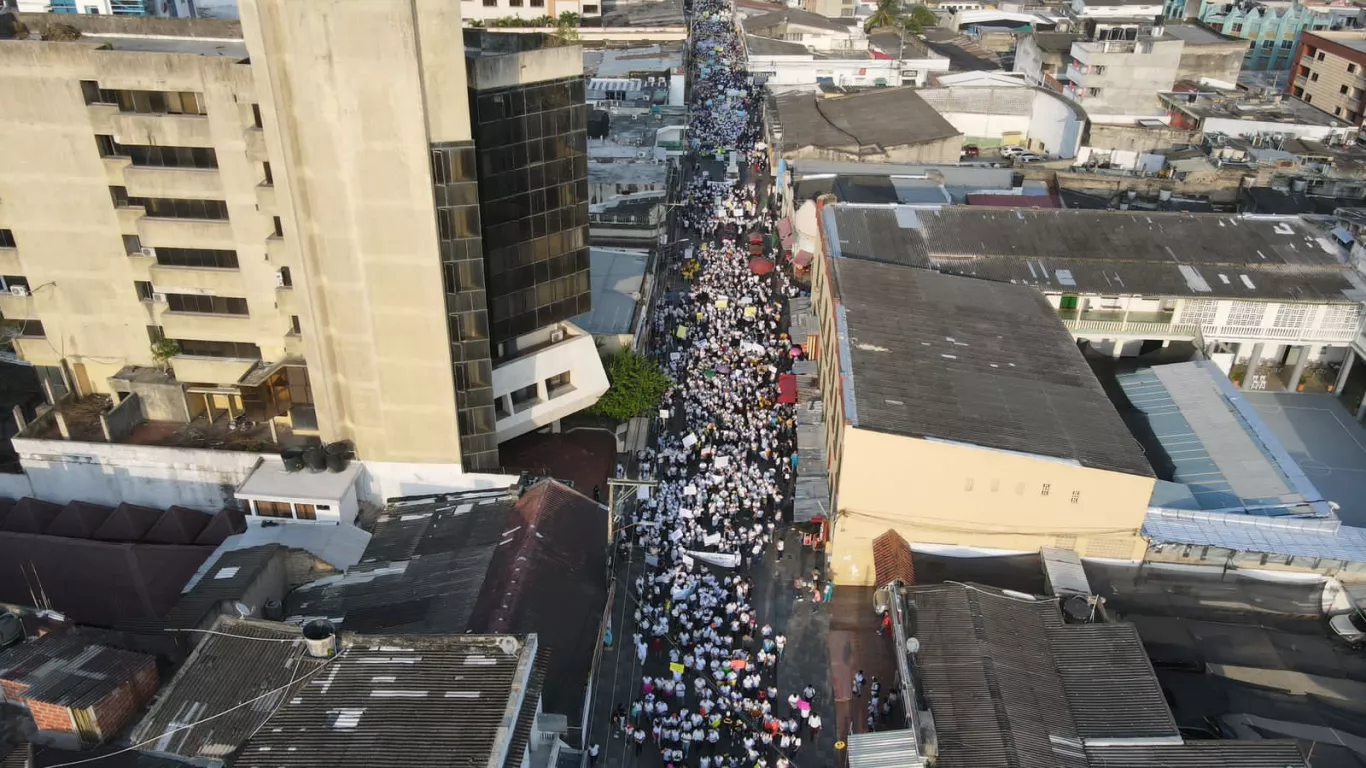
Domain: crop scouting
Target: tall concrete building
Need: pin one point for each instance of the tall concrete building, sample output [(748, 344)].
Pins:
[(350, 224)]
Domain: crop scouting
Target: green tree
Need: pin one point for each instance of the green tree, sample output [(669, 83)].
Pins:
[(918, 18), (888, 13), (569, 19), (164, 350), (637, 384)]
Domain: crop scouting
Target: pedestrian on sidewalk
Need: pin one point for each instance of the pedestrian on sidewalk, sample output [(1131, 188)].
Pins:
[(858, 684), (593, 754), (780, 642), (875, 687), (814, 723), (640, 740)]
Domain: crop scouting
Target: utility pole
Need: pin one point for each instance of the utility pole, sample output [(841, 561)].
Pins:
[(613, 483)]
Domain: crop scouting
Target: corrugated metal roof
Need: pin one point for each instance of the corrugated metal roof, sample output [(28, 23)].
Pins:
[(1246, 533), (884, 749), (1217, 445), (1066, 576)]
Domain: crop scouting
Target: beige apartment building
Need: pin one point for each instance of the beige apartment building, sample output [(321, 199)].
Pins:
[(295, 201), (1329, 72)]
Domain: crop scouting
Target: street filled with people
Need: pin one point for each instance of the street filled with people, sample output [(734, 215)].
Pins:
[(725, 458)]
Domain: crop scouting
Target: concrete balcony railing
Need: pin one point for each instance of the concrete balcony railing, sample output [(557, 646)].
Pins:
[(1106, 323), (275, 250), (210, 370), (265, 197), (9, 262), (285, 301), (161, 130), (256, 146), (102, 117), (114, 166), (17, 307), (192, 325), (1313, 335), (186, 233), (212, 282), (191, 183)]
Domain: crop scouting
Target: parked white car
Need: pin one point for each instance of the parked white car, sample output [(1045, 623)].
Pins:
[(1350, 627), (1029, 157), (1012, 151)]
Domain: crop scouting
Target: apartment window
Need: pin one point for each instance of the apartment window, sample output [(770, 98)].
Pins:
[(177, 208), (269, 179), (206, 305), (1337, 111), (1047, 488), (119, 195), (1344, 89), (160, 102), (200, 348), (256, 116), (793, 37), (273, 509), (1098, 70), (1093, 92), (201, 258), (7, 238), (132, 245), (11, 281), (537, 3), (490, 3), (1268, 44), (589, 10), (144, 290), (1304, 71), (1351, 69), (305, 511), (515, 3), (155, 334), (283, 279), (558, 385), (1236, 29), (1308, 98), (1310, 51), (94, 94), (524, 397), (1287, 45), (1319, 57), (1076, 496), (1298, 91), (294, 326), (33, 328), (170, 157), (279, 226)]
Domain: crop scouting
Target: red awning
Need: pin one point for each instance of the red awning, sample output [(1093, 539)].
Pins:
[(802, 258), (784, 226), (879, 54), (760, 266), (787, 388)]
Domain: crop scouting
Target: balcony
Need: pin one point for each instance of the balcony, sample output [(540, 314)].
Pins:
[(114, 166), (1312, 335), (285, 301), (9, 262), (265, 197), (102, 117), (37, 351), (214, 282), (129, 216), (161, 130), (275, 250), (1114, 323), (192, 183), (210, 370), (256, 146), (192, 325), (185, 233), (17, 307)]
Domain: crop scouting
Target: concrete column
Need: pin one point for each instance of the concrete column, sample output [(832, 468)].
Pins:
[(1253, 360), (1344, 371), (1118, 350), (1298, 371)]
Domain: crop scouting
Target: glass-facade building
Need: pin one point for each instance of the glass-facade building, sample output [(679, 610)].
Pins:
[(532, 157)]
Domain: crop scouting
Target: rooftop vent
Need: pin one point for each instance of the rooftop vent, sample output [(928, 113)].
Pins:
[(321, 637)]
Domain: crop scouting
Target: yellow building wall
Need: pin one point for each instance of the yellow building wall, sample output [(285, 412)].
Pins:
[(948, 493)]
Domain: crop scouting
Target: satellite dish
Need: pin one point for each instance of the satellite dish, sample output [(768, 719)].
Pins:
[(243, 610), (912, 645)]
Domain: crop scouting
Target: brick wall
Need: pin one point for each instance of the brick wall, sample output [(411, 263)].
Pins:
[(49, 717), (114, 711), (12, 692)]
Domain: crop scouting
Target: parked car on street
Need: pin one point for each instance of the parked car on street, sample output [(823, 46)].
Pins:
[(971, 150), (1012, 151), (1349, 626)]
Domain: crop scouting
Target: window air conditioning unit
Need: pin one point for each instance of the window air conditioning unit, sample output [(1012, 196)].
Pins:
[(18, 290), (279, 279), (148, 252), (556, 336), (158, 297)]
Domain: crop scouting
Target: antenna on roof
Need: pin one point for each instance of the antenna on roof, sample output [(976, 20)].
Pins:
[(28, 584), (47, 604)]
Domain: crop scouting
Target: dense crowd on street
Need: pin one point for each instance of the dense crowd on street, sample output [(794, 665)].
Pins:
[(708, 693)]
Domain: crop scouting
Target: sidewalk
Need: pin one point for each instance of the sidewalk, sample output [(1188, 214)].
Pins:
[(853, 645)]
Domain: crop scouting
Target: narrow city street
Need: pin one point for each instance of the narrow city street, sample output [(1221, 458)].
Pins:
[(720, 656)]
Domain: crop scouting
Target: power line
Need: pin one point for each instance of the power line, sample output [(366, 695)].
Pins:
[(197, 723)]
